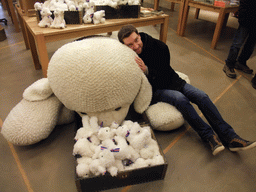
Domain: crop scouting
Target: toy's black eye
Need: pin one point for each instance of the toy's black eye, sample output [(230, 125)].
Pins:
[(117, 109), (78, 156), (83, 113)]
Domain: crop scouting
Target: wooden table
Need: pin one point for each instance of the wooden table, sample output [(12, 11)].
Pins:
[(36, 38), (222, 18), (181, 10)]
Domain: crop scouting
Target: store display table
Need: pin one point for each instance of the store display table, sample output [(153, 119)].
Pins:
[(221, 21), (181, 10), (36, 38), (184, 10)]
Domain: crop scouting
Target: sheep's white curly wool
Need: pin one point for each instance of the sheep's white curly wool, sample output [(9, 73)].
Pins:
[(100, 74), (30, 133)]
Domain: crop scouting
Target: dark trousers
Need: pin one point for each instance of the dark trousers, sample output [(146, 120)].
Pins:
[(244, 36), (182, 101)]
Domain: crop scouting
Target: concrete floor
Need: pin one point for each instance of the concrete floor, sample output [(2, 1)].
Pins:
[(49, 165)]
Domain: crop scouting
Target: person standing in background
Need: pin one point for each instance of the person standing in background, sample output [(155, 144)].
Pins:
[(245, 35)]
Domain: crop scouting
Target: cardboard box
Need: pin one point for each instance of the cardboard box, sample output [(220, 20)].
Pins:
[(122, 12), (70, 17), (124, 178)]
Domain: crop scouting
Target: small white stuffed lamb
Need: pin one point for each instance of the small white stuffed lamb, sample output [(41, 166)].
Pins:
[(46, 18), (58, 21)]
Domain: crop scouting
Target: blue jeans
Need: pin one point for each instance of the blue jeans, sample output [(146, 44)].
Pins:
[(243, 35), (181, 100)]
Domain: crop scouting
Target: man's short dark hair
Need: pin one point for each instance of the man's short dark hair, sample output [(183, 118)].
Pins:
[(126, 31)]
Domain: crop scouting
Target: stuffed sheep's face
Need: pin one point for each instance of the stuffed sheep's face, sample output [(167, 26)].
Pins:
[(98, 76)]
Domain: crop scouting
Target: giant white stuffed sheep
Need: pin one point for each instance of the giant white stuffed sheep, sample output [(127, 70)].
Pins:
[(96, 77)]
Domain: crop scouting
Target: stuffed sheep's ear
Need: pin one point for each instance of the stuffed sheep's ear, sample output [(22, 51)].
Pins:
[(143, 99), (40, 90)]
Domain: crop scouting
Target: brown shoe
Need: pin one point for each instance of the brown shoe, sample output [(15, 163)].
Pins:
[(230, 72), (238, 144), (243, 68), (216, 145)]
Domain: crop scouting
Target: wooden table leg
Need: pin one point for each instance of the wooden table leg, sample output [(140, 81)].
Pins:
[(164, 30), (156, 4), (172, 6), (181, 10), (184, 19), (23, 29), (13, 15), (197, 13), (42, 53), (33, 50), (219, 25)]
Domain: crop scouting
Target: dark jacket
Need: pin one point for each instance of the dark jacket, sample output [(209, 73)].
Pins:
[(247, 13), (156, 56)]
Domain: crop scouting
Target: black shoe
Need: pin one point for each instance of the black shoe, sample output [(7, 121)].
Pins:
[(230, 72), (239, 144), (243, 67), (215, 144), (254, 82)]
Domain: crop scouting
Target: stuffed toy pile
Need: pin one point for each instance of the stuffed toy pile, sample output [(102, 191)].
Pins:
[(58, 7), (113, 149)]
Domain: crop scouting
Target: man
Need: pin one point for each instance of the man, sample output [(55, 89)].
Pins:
[(154, 60), (245, 35)]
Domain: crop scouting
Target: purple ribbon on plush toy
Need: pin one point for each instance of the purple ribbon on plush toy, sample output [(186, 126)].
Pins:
[(89, 139), (127, 134), (115, 150)]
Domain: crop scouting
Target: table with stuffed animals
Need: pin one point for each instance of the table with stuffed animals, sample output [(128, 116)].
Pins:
[(36, 38)]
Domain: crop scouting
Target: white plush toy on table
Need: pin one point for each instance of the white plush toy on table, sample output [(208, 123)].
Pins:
[(133, 2), (98, 17), (58, 21), (38, 6), (74, 5), (111, 3), (46, 20)]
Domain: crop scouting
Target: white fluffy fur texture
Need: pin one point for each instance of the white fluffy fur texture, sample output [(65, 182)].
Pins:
[(100, 74), (25, 124), (165, 117), (39, 90)]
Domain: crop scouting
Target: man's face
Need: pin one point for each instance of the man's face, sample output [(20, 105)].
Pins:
[(134, 42)]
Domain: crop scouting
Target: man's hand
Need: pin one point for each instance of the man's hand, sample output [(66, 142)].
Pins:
[(141, 64)]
